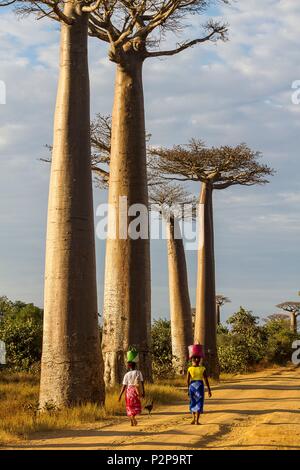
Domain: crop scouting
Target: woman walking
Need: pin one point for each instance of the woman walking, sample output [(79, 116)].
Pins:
[(195, 376), (132, 382)]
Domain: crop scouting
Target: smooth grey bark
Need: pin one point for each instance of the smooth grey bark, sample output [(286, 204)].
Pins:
[(72, 368), (127, 296), (205, 321), (180, 306)]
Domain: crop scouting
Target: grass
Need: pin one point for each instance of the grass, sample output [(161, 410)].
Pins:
[(19, 399)]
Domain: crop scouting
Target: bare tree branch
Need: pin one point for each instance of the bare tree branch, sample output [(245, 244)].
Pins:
[(92, 7), (37, 7), (172, 201), (130, 25), (212, 36), (6, 4), (66, 19)]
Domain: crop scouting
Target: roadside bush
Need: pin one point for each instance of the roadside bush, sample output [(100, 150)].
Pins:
[(247, 343), (162, 349), (279, 340), (232, 358), (243, 345), (23, 341)]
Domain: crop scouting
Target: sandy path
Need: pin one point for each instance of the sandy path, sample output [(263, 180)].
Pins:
[(257, 411)]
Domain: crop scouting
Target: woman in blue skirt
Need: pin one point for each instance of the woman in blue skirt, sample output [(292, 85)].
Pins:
[(195, 377)]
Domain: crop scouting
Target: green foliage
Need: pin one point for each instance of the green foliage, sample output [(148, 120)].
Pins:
[(21, 330), (232, 358), (279, 339), (247, 343), (19, 309), (162, 348), (222, 329), (247, 336), (243, 322)]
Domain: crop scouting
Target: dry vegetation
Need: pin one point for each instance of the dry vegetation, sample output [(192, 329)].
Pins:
[(18, 407)]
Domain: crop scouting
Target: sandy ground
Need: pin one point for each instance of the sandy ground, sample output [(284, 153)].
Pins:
[(257, 411)]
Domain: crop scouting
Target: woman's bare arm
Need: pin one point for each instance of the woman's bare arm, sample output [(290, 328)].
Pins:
[(188, 382)]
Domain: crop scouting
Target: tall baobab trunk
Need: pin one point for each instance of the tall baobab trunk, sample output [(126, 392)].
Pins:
[(180, 306), (72, 371), (293, 323), (205, 322), (218, 313), (127, 317)]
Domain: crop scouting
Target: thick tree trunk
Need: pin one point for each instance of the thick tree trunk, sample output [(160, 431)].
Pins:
[(180, 306), (205, 323), (127, 298), (72, 368), (218, 313), (293, 317)]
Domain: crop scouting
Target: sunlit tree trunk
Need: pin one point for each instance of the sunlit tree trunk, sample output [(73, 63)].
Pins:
[(127, 317), (205, 322), (180, 306), (293, 323), (72, 369)]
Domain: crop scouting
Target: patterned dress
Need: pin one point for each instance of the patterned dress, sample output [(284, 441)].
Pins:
[(133, 402), (196, 389), (132, 381)]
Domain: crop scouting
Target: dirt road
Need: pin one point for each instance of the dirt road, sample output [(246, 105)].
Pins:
[(258, 411)]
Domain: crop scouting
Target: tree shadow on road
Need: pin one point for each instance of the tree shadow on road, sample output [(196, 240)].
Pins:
[(258, 387)]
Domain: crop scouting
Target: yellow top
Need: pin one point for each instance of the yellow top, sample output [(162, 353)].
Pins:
[(196, 373)]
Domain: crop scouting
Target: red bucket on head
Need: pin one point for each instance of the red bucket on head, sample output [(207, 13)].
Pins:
[(196, 350)]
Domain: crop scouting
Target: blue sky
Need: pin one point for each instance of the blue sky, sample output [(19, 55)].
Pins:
[(238, 91)]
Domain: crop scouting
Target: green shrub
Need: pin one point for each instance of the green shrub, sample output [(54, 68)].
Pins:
[(162, 348), (23, 341), (247, 335), (247, 343), (243, 345), (279, 340), (232, 358)]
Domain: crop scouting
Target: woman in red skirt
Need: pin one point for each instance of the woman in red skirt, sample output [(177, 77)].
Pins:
[(132, 382)]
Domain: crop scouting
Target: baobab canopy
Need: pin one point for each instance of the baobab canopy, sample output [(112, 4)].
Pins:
[(221, 166), (130, 27), (290, 306)]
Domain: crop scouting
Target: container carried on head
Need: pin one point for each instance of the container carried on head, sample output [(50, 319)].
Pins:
[(196, 350), (132, 355)]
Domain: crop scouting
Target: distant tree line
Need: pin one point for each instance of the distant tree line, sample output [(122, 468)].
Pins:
[(243, 343)]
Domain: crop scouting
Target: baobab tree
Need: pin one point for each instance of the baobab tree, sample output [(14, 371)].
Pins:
[(174, 203), (220, 301), (216, 169), (133, 32), (71, 368), (293, 308)]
